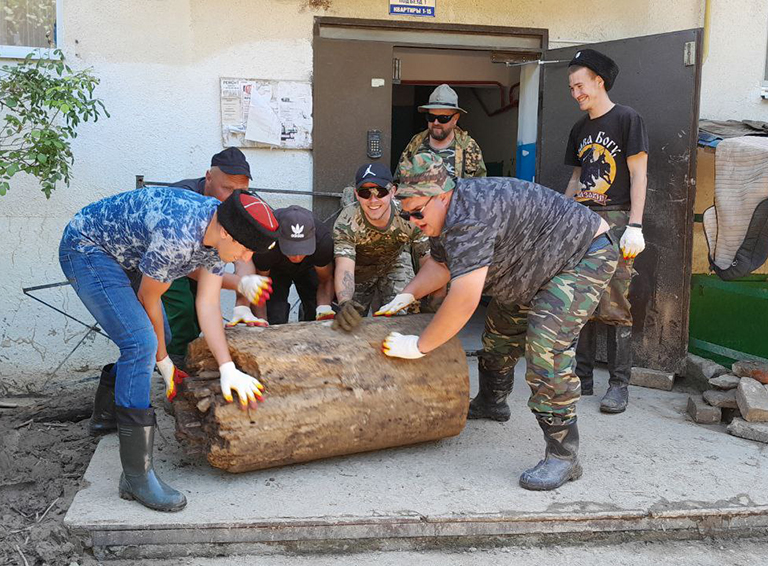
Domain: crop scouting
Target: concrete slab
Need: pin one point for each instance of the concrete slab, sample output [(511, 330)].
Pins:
[(648, 470)]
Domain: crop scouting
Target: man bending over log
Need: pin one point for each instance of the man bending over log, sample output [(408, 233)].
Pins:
[(524, 244), (164, 234)]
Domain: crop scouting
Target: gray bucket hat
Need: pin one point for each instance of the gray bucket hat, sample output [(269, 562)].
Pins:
[(443, 97)]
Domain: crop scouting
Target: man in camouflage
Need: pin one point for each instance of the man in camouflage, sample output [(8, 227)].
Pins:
[(459, 152), (520, 243), (372, 247), (608, 149)]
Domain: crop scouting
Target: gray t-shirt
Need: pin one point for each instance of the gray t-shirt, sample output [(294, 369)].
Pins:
[(524, 233)]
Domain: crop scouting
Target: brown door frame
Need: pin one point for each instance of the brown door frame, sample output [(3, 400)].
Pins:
[(325, 21)]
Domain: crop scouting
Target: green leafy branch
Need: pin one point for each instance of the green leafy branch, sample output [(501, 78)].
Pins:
[(43, 101)]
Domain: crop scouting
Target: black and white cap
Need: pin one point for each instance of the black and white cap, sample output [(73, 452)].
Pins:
[(296, 235)]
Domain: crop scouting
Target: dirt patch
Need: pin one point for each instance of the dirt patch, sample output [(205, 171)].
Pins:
[(44, 451)]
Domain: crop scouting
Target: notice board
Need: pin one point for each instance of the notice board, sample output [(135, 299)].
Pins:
[(266, 113)]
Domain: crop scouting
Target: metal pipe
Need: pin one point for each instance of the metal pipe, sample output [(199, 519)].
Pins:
[(462, 83)]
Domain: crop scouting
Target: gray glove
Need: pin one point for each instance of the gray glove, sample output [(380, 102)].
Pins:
[(349, 316)]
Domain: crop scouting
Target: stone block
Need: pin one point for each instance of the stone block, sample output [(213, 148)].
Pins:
[(752, 398), (699, 368), (751, 431), (702, 413), (755, 370), (722, 399), (725, 382), (652, 378)]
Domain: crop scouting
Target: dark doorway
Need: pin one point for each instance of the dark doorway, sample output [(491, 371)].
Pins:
[(488, 90), (358, 88)]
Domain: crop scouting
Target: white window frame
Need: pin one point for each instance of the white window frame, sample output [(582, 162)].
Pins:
[(20, 52), (764, 88)]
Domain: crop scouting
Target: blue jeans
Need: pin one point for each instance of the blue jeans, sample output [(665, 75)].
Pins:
[(106, 292)]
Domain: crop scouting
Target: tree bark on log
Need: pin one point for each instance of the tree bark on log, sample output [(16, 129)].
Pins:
[(328, 393)]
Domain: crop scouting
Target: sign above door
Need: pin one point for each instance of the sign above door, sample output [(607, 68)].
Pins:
[(412, 8)]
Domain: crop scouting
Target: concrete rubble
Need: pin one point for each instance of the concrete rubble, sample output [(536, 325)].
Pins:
[(655, 379), (702, 412), (725, 382), (752, 431), (722, 399), (736, 399), (700, 370), (752, 397), (754, 369)]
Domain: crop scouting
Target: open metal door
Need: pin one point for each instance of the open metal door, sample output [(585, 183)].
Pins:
[(660, 78), (352, 95)]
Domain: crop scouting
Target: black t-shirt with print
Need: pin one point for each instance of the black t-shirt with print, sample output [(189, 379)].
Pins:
[(601, 148)]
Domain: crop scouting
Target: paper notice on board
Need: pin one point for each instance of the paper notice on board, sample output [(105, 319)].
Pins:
[(263, 124)]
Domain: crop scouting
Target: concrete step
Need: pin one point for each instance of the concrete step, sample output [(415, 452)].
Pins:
[(649, 473)]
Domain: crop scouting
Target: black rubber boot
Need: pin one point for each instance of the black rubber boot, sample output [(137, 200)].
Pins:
[(136, 431), (103, 417), (560, 463), (491, 400), (586, 349), (620, 367)]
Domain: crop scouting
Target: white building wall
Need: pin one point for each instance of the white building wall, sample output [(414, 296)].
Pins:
[(734, 69), (160, 62)]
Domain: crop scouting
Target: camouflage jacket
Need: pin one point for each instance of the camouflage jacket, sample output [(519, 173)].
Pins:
[(374, 251), (468, 161)]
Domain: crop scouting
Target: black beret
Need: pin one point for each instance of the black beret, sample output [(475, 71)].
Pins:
[(602, 65)]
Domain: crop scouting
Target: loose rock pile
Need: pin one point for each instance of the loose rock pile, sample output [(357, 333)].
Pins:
[(739, 398)]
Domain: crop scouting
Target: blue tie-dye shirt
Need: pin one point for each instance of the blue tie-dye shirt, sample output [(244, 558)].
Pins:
[(157, 231)]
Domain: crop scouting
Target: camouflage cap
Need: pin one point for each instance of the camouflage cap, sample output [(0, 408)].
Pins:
[(424, 175)]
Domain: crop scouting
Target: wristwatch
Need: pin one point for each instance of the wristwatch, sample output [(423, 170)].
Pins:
[(634, 225)]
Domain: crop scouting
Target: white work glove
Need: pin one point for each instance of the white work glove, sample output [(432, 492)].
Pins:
[(248, 388), (324, 312), (398, 345), (397, 304), (243, 314), (172, 376), (255, 288), (632, 242)]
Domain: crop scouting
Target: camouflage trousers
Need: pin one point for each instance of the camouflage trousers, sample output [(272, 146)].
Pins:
[(547, 330), (374, 291), (614, 308)]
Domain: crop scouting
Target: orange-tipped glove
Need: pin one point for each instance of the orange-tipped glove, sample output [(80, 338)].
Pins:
[(172, 376), (405, 346), (397, 304), (255, 288), (324, 312), (248, 388), (632, 242), (243, 315)]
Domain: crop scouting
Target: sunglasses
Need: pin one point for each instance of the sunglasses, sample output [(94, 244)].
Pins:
[(417, 214), (442, 118), (365, 192)]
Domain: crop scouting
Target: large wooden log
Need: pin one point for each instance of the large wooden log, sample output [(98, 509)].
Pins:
[(328, 393)]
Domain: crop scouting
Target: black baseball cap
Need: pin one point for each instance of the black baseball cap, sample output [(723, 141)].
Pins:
[(296, 235), (377, 173), (232, 162)]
